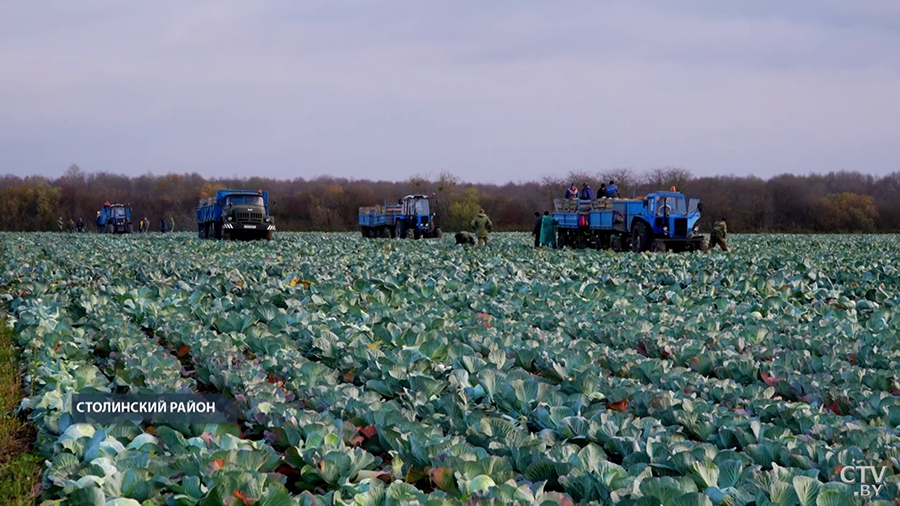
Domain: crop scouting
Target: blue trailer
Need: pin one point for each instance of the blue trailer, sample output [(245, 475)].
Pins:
[(235, 214), (114, 219), (410, 216), (661, 221)]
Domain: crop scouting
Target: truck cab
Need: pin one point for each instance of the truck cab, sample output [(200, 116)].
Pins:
[(235, 213)]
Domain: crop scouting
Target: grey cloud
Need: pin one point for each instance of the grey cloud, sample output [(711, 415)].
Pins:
[(491, 91)]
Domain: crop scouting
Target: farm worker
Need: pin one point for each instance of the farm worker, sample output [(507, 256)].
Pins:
[(70, 226), (536, 232), (572, 192), (59, 224), (99, 223), (146, 224), (586, 192), (80, 225), (482, 226), (163, 226), (720, 231), (602, 191), (548, 230), (612, 191)]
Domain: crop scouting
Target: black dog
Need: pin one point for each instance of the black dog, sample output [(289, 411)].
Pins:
[(465, 238)]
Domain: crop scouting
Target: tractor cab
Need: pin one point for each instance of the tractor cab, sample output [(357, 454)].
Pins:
[(120, 214), (670, 215), (417, 211)]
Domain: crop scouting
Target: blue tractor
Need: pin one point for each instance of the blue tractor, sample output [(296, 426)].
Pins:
[(411, 216), (661, 221), (115, 219)]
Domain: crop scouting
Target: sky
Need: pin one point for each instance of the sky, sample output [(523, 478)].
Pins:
[(506, 90)]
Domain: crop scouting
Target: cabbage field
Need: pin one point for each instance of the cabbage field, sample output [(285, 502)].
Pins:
[(379, 372)]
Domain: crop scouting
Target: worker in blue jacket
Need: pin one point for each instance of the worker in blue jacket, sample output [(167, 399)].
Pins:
[(586, 192), (612, 191)]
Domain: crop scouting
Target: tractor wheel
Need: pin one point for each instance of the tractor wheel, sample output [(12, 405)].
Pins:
[(616, 244), (640, 237)]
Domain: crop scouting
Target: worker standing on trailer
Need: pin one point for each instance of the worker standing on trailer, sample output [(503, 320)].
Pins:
[(720, 231), (572, 192), (612, 191), (482, 226), (586, 192)]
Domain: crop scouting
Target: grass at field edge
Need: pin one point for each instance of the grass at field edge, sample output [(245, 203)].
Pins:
[(19, 467)]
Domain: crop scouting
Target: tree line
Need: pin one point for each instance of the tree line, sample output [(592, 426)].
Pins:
[(825, 203)]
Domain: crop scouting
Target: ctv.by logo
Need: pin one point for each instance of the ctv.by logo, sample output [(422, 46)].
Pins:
[(857, 475)]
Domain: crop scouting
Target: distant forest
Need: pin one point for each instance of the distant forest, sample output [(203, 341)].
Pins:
[(832, 203)]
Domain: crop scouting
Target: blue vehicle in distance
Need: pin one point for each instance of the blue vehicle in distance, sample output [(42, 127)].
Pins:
[(115, 219), (661, 221), (412, 216), (235, 214)]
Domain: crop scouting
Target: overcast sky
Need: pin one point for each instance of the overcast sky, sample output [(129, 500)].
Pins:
[(489, 90)]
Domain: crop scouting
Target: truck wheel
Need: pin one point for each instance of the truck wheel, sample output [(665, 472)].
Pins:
[(640, 237), (269, 235)]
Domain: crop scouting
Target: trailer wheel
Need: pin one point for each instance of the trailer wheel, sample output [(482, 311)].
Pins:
[(417, 233), (640, 237)]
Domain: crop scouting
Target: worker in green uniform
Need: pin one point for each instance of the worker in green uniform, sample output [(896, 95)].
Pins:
[(482, 226), (720, 231), (548, 230)]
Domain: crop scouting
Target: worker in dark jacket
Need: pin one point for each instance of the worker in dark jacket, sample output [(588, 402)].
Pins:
[(612, 191), (164, 226), (80, 225), (717, 238), (482, 226), (586, 192), (536, 231)]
